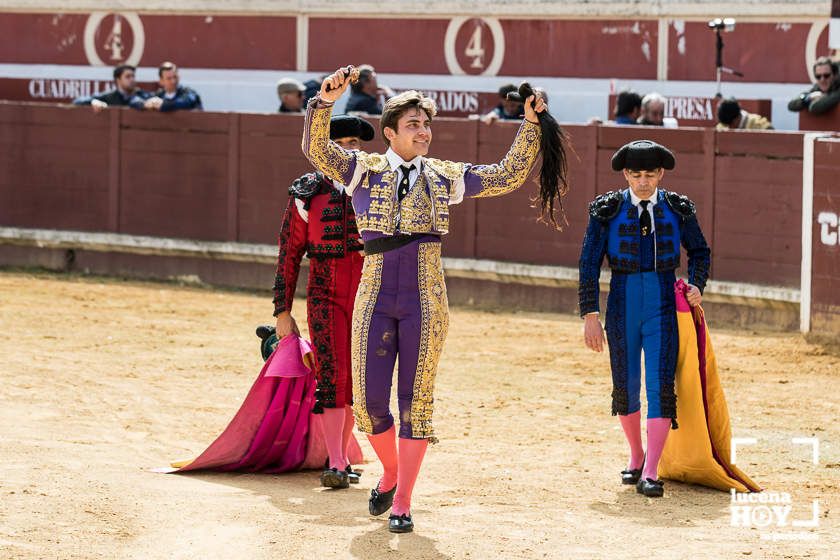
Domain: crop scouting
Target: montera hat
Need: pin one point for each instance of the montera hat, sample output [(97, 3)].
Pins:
[(343, 126), (643, 155)]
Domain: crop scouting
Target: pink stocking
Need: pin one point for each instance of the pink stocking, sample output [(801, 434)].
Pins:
[(411, 456), (631, 424), (385, 446), (657, 433), (349, 423), (332, 421)]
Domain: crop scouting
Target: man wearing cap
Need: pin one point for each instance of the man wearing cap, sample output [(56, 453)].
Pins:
[(732, 117), (290, 92), (319, 221), (640, 230)]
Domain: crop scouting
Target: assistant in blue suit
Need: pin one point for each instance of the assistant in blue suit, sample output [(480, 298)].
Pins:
[(640, 230)]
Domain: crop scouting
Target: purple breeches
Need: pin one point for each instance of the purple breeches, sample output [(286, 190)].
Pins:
[(401, 313)]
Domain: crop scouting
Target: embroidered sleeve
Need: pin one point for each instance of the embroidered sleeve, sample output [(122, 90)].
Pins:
[(510, 174), (589, 266), (699, 254), (328, 157), (291, 247)]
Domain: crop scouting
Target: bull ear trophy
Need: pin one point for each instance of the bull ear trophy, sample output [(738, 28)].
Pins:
[(554, 184)]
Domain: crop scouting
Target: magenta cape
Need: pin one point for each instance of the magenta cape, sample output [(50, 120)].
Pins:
[(274, 430)]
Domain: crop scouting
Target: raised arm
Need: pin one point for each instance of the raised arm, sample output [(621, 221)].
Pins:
[(509, 174), (328, 157)]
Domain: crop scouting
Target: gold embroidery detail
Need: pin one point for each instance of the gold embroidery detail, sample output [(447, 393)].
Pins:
[(327, 156), (366, 296), (416, 209), (440, 192), (373, 162), (508, 175), (449, 169), (434, 308)]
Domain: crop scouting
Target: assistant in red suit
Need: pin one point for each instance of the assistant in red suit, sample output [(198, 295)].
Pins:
[(319, 221)]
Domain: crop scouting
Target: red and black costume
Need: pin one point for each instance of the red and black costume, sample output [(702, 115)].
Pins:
[(320, 222)]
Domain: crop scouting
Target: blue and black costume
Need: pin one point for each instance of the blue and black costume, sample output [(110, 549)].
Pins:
[(643, 254)]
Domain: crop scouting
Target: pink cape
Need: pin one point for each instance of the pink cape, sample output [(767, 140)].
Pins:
[(274, 430)]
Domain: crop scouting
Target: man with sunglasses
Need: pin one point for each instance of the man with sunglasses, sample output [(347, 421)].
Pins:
[(824, 95)]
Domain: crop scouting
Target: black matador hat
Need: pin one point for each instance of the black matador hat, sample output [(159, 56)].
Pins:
[(643, 155), (343, 126)]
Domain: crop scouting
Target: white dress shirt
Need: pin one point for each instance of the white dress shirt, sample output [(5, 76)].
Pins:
[(635, 200), (395, 161)]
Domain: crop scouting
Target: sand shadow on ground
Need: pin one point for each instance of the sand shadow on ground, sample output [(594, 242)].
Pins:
[(300, 494), (680, 507), (379, 543)]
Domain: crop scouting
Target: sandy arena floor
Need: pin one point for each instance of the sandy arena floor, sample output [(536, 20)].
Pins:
[(103, 380)]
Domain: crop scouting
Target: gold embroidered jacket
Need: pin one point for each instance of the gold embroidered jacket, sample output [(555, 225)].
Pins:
[(373, 186)]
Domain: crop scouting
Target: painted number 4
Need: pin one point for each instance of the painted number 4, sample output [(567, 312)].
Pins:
[(474, 49), (114, 42)]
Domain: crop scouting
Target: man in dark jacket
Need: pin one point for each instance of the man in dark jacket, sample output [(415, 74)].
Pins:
[(824, 95), (172, 96), (364, 96), (125, 94)]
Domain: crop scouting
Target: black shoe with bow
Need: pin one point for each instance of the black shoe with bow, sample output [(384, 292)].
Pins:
[(352, 475), (380, 502), (631, 476), (650, 488), (400, 524), (334, 478)]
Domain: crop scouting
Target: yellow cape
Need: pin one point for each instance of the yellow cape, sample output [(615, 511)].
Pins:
[(699, 450)]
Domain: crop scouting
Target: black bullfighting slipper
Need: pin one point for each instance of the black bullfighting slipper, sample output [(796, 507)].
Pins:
[(352, 475), (380, 502), (400, 524), (334, 478), (650, 488), (630, 476)]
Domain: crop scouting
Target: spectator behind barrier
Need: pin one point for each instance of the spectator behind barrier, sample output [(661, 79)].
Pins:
[(290, 92), (366, 96), (824, 94), (628, 107), (125, 94), (312, 86), (653, 112), (732, 116), (172, 96), (507, 109)]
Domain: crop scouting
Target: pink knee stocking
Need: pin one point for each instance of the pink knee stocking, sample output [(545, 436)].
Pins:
[(349, 423), (385, 446), (332, 421), (633, 432), (411, 456), (657, 433)]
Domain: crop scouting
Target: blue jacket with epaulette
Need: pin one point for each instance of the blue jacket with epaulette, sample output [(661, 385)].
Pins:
[(613, 231)]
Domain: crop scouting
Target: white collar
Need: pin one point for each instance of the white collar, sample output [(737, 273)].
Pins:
[(395, 161), (636, 200)]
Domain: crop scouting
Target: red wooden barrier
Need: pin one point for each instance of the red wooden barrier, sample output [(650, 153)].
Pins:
[(220, 176), (829, 121), (758, 210), (825, 255)]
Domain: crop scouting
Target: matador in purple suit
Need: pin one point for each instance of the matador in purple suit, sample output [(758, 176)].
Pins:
[(401, 200)]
